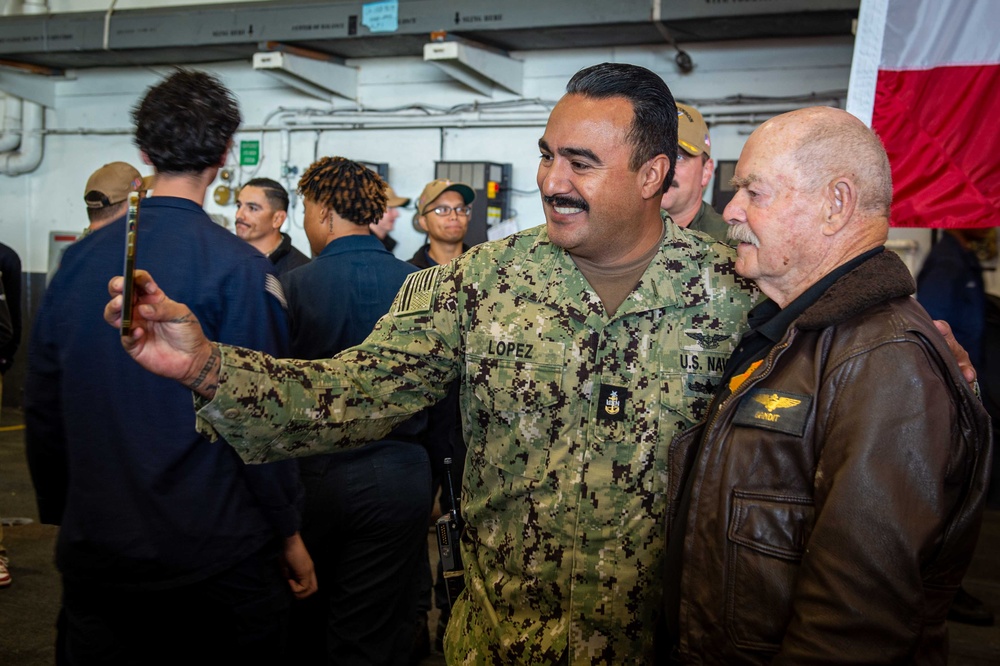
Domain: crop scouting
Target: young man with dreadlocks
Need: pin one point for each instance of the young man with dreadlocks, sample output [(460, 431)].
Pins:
[(365, 521)]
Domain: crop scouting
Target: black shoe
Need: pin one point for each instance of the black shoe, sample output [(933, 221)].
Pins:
[(969, 610)]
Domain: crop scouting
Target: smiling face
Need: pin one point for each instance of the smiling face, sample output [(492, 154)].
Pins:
[(256, 221), (595, 206)]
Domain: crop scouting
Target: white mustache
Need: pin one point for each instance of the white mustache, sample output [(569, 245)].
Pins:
[(742, 234)]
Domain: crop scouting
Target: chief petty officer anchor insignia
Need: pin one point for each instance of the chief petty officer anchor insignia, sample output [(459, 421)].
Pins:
[(613, 401)]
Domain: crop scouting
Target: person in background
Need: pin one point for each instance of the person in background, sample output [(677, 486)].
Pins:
[(170, 548), (683, 197), (10, 274), (106, 193), (366, 509), (6, 335), (106, 198), (834, 492), (443, 211), (950, 287), (261, 209), (10, 284), (387, 222)]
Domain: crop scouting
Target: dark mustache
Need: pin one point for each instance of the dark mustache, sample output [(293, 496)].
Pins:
[(567, 202)]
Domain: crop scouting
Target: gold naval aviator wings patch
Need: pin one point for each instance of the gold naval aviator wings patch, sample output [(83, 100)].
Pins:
[(771, 409)]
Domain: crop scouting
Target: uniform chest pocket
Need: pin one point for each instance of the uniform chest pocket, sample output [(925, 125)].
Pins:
[(516, 386)]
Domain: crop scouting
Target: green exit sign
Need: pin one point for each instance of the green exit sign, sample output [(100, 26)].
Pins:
[(249, 153)]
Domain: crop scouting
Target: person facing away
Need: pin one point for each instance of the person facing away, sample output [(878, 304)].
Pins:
[(168, 546), (443, 211), (366, 509), (106, 198), (582, 347), (386, 223), (834, 493), (261, 209), (682, 199)]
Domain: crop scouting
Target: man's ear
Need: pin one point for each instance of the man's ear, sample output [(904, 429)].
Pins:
[(422, 223), (707, 169), (145, 158), (653, 173), (841, 200), (279, 219)]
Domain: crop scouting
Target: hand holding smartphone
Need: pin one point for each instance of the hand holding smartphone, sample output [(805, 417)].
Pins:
[(131, 241)]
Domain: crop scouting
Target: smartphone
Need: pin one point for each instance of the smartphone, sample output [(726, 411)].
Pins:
[(131, 242)]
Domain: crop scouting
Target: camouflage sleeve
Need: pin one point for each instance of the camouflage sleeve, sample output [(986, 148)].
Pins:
[(271, 409)]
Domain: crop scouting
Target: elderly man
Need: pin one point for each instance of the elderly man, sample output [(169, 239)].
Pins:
[(582, 347), (261, 209), (683, 198), (835, 496)]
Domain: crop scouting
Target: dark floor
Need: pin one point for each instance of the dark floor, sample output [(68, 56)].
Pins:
[(28, 607)]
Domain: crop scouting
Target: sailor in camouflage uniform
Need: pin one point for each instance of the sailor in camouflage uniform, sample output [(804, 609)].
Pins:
[(570, 392)]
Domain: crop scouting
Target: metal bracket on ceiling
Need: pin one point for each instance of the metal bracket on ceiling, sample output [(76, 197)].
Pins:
[(34, 83), (475, 65), (312, 72)]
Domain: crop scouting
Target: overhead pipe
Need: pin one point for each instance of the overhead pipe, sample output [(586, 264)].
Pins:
[(21, 142), (10, 138), (29, 154)]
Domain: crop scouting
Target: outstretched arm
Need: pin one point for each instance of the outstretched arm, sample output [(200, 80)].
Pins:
[(166, 337)]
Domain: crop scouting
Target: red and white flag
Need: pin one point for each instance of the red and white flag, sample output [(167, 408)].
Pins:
[(926, 78)]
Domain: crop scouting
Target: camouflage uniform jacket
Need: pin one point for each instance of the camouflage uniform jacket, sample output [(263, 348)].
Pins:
[(568, 414)]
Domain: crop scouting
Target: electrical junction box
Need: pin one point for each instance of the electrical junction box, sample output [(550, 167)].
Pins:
[(381, 168), (491, 182)]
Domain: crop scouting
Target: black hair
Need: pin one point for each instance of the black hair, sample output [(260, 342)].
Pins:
[(354, 191), (184, 124), (654, 122), (274, 192)]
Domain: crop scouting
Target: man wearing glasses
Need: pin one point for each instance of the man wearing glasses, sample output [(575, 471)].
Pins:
[(443, 211)]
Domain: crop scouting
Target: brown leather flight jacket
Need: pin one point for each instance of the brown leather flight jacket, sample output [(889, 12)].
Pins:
[(839, 493)]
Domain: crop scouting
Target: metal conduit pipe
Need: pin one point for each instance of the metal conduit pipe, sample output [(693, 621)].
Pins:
[(10, 138), (29, 154)]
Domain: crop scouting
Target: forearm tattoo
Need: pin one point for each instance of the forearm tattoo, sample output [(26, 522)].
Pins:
[(211, 367)]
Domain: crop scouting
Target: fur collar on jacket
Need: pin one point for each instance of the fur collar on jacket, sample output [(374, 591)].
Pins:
[(877, 280)]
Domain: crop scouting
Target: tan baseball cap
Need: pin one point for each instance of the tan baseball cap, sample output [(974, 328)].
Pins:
[(692, 132), (393, 199), (436, 188), (111, 184)]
